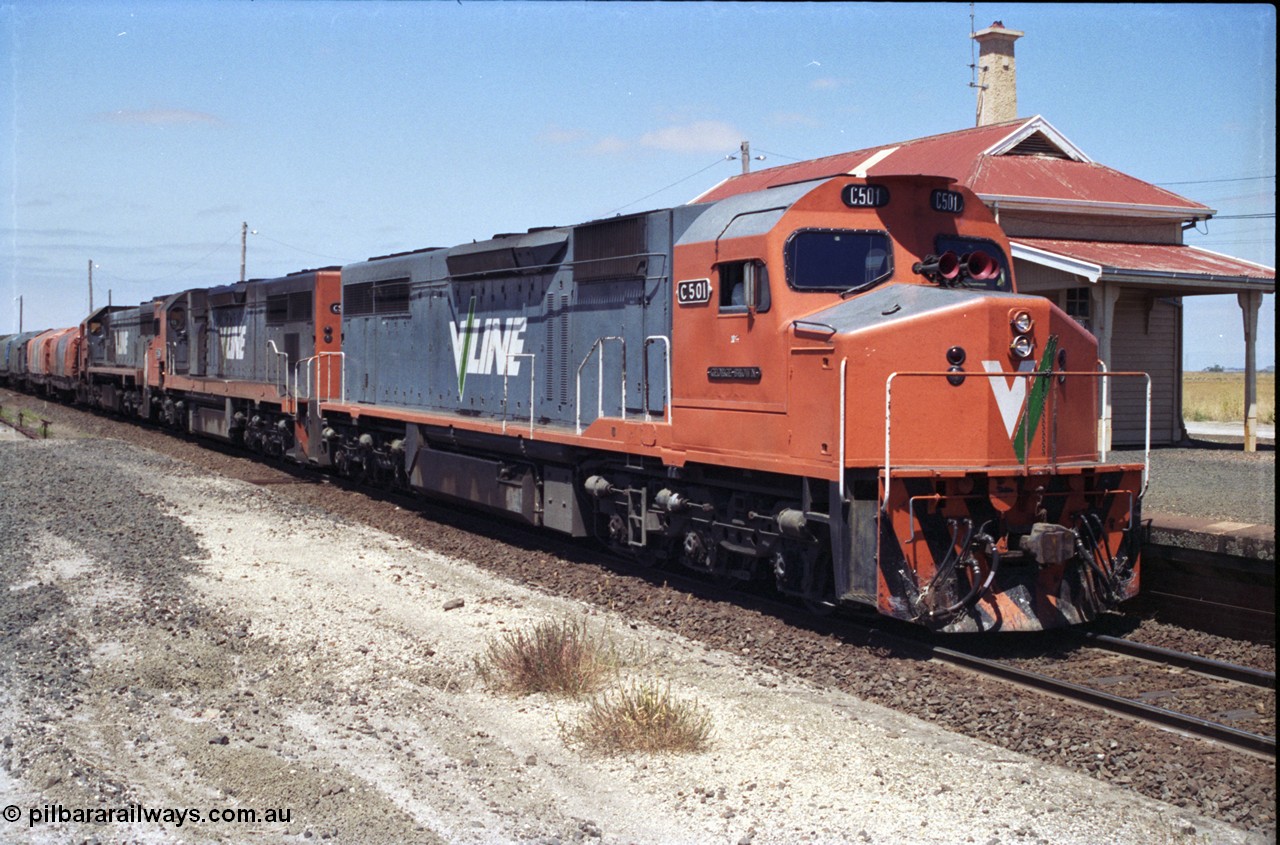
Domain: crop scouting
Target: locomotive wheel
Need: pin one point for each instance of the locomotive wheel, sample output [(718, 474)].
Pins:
[(698, 551)]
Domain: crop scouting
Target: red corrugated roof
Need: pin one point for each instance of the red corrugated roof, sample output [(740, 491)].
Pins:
[(1167, 259), (1062, 179), (952, 154), (961, 156)]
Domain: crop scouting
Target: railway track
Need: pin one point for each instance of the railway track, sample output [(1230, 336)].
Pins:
[(1155, 674), (1092, 661), (1163, 676), (32, 428)]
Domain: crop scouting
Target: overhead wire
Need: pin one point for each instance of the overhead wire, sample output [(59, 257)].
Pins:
[(1215, 181), (177, 272), (297, 248), (720, 160)]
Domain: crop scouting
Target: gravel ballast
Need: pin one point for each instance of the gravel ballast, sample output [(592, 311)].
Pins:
[(175, 639)]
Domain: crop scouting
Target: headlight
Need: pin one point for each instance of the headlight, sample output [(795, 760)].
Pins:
[(1022, 322), (1022, 346)]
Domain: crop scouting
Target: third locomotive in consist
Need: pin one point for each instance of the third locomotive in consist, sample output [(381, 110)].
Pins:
[(832, 386)]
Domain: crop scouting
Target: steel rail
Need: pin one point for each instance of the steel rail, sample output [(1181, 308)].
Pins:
[(1192, 725), (1168, 657)]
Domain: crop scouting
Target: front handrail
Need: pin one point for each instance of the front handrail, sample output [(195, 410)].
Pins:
[(599, 344), (1066, 494), (1024, 432), (844, 417), (1104, 422), (533, 375)]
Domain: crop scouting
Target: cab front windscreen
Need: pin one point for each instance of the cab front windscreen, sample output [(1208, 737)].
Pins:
[(837, 259)]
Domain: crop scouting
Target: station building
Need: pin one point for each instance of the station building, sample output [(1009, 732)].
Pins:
[(1106, 247)]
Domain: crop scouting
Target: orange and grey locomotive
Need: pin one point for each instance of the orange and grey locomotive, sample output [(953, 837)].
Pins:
[(831, 386)]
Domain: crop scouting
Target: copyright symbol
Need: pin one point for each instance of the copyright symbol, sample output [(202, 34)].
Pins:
[(12, 813)]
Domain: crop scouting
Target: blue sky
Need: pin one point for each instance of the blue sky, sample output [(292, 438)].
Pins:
[(141, 134)]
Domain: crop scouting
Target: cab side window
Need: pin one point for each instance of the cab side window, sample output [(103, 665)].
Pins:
[(742, 284)]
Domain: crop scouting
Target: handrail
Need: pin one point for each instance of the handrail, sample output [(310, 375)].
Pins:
[(297, 376), (276, 350), (666, 403), (533, 375), (844, 367), (1104, 422), (1028, 375), (599, 344), (810, 327)]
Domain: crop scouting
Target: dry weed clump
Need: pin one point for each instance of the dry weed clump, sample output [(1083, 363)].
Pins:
[(643, 717), (561, 658)]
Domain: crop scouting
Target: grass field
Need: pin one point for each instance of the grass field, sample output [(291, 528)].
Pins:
[(1219, 397)]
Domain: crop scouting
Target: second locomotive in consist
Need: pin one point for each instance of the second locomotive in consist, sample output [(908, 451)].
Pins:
[(832, 386)]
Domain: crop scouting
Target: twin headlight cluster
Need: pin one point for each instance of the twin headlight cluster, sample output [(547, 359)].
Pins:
[(1021, 347)]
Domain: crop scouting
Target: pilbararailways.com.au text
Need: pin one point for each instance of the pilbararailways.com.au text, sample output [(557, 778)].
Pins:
[(139, 814)]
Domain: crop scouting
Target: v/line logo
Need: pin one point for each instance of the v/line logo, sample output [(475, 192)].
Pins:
[(121, 338), (486, 349), (1021, 413), (231, 342)]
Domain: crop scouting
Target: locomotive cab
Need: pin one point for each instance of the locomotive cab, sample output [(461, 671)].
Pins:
[(943, 427)]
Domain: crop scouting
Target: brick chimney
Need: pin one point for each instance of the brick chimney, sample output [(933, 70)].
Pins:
[(997, 74)]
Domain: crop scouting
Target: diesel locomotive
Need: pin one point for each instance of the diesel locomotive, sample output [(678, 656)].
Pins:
[(831, 386)]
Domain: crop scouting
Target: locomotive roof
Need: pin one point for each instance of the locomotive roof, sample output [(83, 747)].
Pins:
[(746, 214)]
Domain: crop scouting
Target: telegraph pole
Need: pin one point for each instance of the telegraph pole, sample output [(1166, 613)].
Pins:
[(244, 242), (90, 285), (744, 153), (19, 313)]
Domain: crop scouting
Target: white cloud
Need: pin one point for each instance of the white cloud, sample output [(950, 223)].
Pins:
[(697, 137)]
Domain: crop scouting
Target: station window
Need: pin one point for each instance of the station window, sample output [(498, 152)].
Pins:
[(737, 279), (1079, 305)]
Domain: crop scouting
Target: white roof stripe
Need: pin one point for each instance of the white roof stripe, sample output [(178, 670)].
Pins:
[(875, 158)]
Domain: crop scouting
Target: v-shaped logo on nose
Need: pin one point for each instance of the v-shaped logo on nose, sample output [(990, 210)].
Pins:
[(1010, 393), (1020, 414)]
